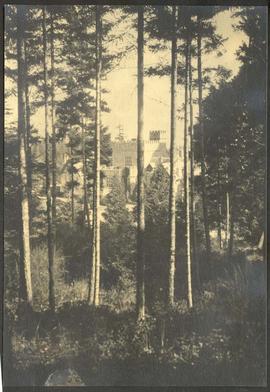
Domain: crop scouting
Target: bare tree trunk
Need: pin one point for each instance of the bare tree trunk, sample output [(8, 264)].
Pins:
[(47, 162), (54, 162), (227, 216), (186, 130), (261, 242), (172, 260), (140, 300), (28, 134), (97, 155), (219, 207), (192, 202), (188, 223), (72, 187), (219, 224), (204, 197), (25, 251), (85, 192), (231, 230), (91, 294)]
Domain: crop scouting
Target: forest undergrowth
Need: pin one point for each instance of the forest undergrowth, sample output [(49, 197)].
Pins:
[(212, 344)]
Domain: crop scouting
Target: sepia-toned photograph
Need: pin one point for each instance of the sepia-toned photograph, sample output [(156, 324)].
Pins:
[(135, 195)]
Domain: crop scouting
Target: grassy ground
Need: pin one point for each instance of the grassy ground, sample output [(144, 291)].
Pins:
[(220, 342)]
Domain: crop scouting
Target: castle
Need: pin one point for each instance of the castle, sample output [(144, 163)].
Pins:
[(124, 159), (123, 163)]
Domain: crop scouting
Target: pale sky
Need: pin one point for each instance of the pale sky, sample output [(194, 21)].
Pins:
[(122, 85)]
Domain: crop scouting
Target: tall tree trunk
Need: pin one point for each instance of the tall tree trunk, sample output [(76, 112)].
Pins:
[(85, 192), (201, 122), (230, 229), (54, 162), (186, 130), (219, 229), (140, 300), (25, 251), (228, 216), (261, 242), (72, 186), (172, 260), (219, 207), (188, 222), (192, 202), (91, 294), (47, 163), (28, 134), (97, 155)]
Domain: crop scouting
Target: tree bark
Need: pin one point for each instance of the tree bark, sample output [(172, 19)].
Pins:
[(54, 162), (25, 250), (186, 130), (72, 186), (140, 300), (227, 217), (201, 123), (91, 294), (172, 260), (28, 134), (261, 242), (219, 207), (188, 222), (97, 156), (219, 224), (192, 202), (85, 192), (47, 163), (231, 230)]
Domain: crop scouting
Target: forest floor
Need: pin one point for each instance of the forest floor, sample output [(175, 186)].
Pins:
[(220, 342)]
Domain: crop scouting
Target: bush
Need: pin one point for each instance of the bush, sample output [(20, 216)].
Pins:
[(64, 292), (40, 275)]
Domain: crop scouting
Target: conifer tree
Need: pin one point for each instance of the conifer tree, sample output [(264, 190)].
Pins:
[(25, 250)]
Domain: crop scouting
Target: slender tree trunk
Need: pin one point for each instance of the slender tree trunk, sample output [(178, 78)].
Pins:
[(28, 134), (203, 171), (85, 192), (47, 162), (72, 186), (261, 242), (25, 251), (54, 162), (230, 229), (219, 224), (91, 294), (172, 260), (219, 207), (192, 201), (140, 300), (188, 222), (227, 216), (97, 155), (186, 130)]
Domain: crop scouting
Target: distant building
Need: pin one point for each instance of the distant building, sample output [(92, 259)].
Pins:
[(124, 153), (123, 163), (62, 157), (124, 159)]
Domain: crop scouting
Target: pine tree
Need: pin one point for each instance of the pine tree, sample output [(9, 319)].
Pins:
[(47, 163), (53, 138), (96, 214), (172, 158), (140, 302), (188, 183), (25, 252)]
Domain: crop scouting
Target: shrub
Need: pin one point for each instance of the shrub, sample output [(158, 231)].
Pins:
[(40, 275)]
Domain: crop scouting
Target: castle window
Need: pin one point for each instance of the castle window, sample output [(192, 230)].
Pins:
[(128, 161)]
